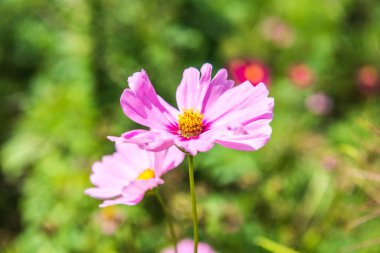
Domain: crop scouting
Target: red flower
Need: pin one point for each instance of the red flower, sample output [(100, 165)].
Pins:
[(252, 70)]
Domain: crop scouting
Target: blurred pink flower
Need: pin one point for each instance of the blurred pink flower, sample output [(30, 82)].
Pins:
[(319, 103), (187, 246), (329, 162), (301, 75), (368, 78), (249, 70), (277, 31), (125, 176), (210, 111), (109, 219)]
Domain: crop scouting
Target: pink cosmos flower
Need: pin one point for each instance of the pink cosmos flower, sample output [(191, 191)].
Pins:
[(187, 246), (210, 111), (278, 31), (125, 176), (109, 219), (319, 103)]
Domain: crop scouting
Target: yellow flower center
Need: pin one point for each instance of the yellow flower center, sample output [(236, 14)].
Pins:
[(146, 174), (190, 123)]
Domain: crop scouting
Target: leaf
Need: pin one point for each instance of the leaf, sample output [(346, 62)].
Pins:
[(273, 246)]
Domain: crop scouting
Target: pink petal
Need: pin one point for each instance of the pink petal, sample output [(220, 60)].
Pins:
[(131, 194), (204, 84), (187, 246), (121, 201), (134, 192), (188, 89), (167, 159), (132, 158), (103, 193), (262, 110), (247, 138), (170, 109), (238, 98), (147, 140), (244, 144), (215, 89), (203, 143), (200, 93), (111, 172), (141, 103)]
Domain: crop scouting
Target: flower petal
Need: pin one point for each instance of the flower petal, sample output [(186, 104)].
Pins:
[(187, 246), (112, 171), (202, 143), (200, 93), (242, 97), (121, 201), (247, 138), (103, 193), (215, 89), (170, 109), (167, 159), (188, 89), (134, 192), (132, 158), (141, 103), (148, 140)]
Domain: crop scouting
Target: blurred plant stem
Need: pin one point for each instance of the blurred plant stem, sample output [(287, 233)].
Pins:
[(168, 218), (193, 201)]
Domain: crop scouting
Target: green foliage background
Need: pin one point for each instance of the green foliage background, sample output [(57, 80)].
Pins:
[(64, 64)]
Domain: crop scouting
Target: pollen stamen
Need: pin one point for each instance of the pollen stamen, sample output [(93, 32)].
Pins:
[(190, 123), (146, 174)]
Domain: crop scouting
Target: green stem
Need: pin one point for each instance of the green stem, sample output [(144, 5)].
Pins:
[(193, 202), (168, 218)]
